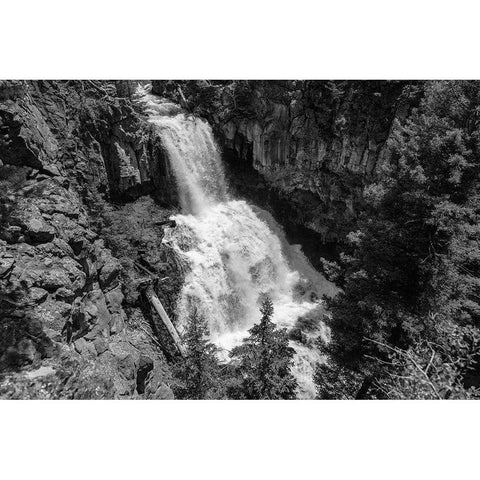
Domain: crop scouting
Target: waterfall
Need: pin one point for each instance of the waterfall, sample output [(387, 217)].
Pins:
[(195, 160), (235, 258)]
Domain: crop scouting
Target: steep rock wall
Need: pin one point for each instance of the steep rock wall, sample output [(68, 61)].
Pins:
[(317, 143), (66, 148), (121, 155)]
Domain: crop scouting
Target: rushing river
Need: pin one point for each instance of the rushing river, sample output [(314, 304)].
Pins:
[(237, 253)]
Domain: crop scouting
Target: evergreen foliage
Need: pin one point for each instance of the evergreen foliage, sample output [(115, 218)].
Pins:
[(264, 361), (198, 374), (411, 270)]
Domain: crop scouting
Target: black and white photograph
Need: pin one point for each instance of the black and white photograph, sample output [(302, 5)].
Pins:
[(182, 235), (240, 239)]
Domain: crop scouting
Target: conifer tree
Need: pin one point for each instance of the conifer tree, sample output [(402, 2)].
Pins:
[(198, 374), (265, 360), (411, 271)]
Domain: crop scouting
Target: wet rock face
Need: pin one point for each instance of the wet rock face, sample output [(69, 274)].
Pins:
[(317, 143)]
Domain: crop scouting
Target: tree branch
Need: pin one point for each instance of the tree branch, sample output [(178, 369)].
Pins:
[(414, 363)]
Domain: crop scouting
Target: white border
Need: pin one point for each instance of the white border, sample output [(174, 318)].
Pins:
[(239, 439), (354, 39), (256, 39)]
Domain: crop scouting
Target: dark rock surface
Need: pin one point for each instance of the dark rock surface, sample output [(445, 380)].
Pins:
[(66, 150), (316, 143)]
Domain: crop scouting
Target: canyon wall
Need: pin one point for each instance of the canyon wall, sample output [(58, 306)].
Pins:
[(92, 130), (316, 143), (67, 149), (85, 185)]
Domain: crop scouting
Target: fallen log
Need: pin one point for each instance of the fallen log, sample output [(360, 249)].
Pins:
[(183, 102), (157, 305)]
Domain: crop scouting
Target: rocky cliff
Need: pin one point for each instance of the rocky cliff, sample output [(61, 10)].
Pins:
[(67, 151), (85, 187), (316, 143)]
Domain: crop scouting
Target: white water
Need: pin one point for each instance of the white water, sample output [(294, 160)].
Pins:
[(235, 259)]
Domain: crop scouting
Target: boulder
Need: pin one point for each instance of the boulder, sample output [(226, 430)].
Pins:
[(52, 314), (28, 139), (110, 273), (83, 347), (49, 279), (109, 268), (65, 294), (122, 387), (127, 359), (7, 262), (36, 230), (100, 345), (156, 388), (96, 314), (37, 295)]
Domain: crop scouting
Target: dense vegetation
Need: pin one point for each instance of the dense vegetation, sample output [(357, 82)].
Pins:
[(407, 322), (259, 368), (264, 361)]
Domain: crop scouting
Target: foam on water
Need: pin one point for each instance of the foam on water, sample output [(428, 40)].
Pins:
[(235, 259)]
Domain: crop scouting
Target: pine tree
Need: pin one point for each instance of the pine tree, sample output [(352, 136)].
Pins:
[(264, 360), (411, 271), (198, 374)]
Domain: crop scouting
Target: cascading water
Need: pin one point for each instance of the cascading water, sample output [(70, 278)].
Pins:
[(235, 259)]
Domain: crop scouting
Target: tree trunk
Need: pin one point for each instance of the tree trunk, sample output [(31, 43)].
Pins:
[(184, 100), (367, 383), (157, 305)]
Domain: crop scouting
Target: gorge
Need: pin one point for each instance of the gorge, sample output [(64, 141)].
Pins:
[(233, 256), (216, 196)]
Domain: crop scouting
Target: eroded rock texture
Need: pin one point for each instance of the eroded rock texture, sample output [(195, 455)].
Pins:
[(317, 143), (66, 330)]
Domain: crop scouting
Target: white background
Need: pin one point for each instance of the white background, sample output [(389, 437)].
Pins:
[(246, 39)]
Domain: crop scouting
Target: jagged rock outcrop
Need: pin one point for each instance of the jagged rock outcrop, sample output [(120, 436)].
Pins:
[(81, 127), (70, 286), (65, 332)]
